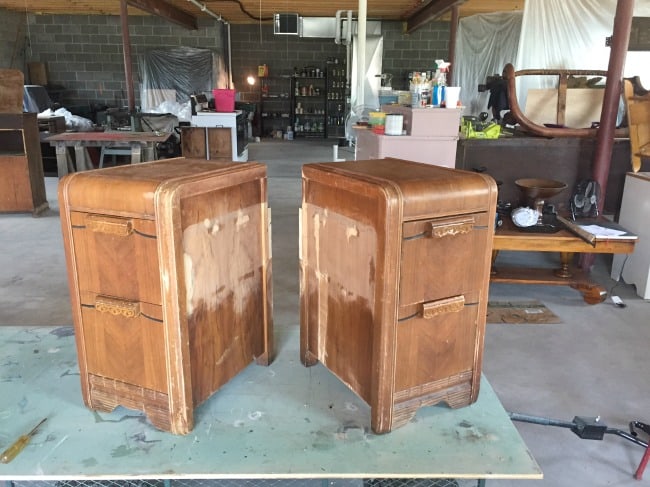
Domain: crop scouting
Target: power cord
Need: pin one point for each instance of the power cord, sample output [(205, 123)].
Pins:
[(618, 302)]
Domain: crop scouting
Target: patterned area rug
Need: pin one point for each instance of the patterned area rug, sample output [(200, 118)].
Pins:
[(520, 312)]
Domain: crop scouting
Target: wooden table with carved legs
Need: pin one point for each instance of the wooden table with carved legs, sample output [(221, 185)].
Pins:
[(509, 237)]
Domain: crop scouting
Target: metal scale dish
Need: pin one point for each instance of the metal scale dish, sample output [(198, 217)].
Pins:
[(535, 192)]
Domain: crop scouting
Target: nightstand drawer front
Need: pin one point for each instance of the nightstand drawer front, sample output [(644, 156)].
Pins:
[(124, 340), (436, 346), (117, 256), (442, 257)]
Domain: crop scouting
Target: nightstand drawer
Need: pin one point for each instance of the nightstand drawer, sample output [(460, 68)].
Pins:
[(124, 340), (436, 343), (439, 257), (117, 256)]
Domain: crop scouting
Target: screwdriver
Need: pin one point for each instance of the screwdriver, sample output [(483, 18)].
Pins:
[(10, 453)]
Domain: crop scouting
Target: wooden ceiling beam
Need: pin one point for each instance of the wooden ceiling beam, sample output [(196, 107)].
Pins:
[(429, 12), (167, 11)]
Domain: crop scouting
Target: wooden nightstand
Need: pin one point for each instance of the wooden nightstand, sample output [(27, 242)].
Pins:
[(395, 262), (169, 268)]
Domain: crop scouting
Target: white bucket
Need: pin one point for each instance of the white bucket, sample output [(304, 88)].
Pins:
[(394, 124), (452, 94)]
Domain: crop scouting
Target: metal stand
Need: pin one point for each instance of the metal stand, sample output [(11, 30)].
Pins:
[(591, 428)]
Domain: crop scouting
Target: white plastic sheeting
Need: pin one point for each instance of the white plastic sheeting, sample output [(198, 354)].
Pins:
[(72, 122), (557, 34), (485, 44), (551, 34)]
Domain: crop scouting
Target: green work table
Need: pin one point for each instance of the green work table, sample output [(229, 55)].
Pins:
[(284, 421)]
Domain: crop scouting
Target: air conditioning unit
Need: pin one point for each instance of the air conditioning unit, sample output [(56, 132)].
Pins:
[(286, 24)]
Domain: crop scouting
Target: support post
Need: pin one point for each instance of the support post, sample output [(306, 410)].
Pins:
[(453, 32), (126, 48), (605, 136)]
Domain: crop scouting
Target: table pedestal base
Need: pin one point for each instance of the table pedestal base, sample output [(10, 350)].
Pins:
[(592, 293)]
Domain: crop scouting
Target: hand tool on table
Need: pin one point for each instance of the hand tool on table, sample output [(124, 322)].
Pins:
[(17, 446)]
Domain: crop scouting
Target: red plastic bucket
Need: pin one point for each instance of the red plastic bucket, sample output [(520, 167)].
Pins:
[(224, 100)]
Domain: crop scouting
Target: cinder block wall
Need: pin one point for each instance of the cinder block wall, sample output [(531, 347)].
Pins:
[(83, 53), (253, 45), (12, 40), (417, 51)]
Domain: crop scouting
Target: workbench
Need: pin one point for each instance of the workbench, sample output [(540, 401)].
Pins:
[(141, 144), (565, 244), (284, 421)]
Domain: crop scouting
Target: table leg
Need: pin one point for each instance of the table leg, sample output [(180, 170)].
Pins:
[(61, 160), (82, 159), (149, 152), (495, 254), (592, 293), (565, 261), (136, 151)]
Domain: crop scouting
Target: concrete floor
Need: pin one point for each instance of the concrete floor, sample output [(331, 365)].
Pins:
[(590, 365)]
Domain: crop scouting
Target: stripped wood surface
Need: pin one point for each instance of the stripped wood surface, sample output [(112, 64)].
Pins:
[(383, 243), (170, 286), (11, 90)]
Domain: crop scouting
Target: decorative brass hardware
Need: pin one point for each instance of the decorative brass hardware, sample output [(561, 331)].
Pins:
[(441, 306), (439, 230), (117, 307), (120, 227)]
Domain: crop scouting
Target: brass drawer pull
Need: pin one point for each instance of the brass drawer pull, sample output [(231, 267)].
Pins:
[(439, 230), (441, 306), (117, 307), (120, 227)]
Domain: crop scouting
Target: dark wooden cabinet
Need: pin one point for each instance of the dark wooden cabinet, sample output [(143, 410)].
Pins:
[(566, 159), (22, 185), (395, 262), (169, 267)]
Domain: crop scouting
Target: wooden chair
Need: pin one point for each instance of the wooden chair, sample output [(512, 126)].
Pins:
[(563, 76), (638, 119)]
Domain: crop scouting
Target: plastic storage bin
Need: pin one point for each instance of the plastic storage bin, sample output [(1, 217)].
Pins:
[(224, 100)]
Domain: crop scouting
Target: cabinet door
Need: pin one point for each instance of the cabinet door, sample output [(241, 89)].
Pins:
[(193, 142), (124, 340), (117, 256), (220, 143), (442, 258), (15, 189)]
